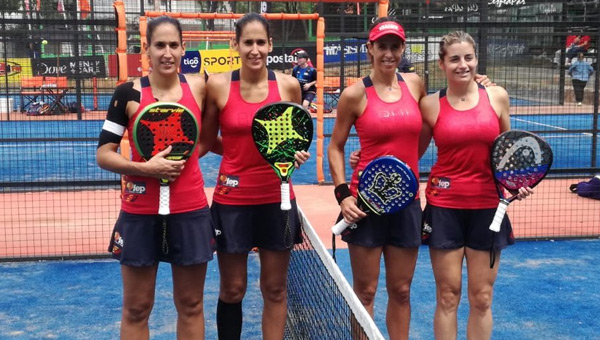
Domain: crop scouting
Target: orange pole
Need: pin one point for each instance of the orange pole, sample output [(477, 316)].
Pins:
[(121, 51), (270, 16), (95, 91), (320, 101), (382, 9), (331, 1), (143, 41), (320, 58), (210, 33), (119, 7)]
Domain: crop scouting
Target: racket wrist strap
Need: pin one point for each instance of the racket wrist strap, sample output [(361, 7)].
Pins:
[(341, 192)]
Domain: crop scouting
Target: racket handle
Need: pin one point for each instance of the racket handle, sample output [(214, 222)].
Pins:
[(500, 212), (163, 203), (340, 227), (285, 196)]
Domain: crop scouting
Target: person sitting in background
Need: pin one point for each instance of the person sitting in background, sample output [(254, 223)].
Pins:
[(576, 44)]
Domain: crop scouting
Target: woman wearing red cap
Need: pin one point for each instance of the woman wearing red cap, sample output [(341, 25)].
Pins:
[(384, 109)]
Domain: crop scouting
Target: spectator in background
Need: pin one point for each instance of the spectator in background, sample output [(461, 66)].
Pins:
[(406, 66), (576, 44), (307, 77), (580, 72), (349, 8), (33, 50)]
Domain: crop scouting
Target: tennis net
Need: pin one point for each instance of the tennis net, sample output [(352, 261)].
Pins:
[(321, 303)]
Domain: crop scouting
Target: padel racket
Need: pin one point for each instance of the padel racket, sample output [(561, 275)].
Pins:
[(279, 130), (164, 124), (386, 185), (519, 159)]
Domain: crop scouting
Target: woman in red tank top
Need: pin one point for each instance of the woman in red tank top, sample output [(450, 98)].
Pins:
[(246, 204), (138, 238), (464, 119), (384, 109)]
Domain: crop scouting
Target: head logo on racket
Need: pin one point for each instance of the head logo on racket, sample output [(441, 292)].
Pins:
[(519, 159), (524, 163)]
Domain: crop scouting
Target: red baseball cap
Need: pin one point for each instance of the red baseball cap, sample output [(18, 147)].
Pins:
[(387, 27)]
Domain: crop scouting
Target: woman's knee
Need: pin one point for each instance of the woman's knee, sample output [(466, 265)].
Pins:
[(400, 293), (448, 298), (274, 293), (190, 306), (232, 292), (138, 311), (366, 293), (481, 299)]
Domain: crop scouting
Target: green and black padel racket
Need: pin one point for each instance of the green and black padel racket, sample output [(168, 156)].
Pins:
[(280, 130), (164, 124)]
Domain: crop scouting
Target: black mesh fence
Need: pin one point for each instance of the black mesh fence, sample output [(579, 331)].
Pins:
[(58, 69)]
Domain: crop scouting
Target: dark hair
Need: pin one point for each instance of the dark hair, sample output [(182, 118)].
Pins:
[(248, 18), (154, 23), (302, 54)]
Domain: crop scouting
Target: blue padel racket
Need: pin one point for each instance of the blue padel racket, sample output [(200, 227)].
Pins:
[(519, 159), (386, 185), (279, 130), (164, 124)]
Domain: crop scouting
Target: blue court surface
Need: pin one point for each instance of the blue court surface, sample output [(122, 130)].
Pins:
[(74, 160), (545, 290)]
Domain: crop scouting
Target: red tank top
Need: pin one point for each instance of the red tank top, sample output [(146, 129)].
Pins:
[(388, 129), (461, 178), (187, 192), (245, 177)]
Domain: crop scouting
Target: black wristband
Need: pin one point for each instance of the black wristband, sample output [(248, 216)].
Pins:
[(341, 192)]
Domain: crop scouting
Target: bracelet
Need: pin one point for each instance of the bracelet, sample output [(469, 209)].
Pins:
[(341, 192)]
